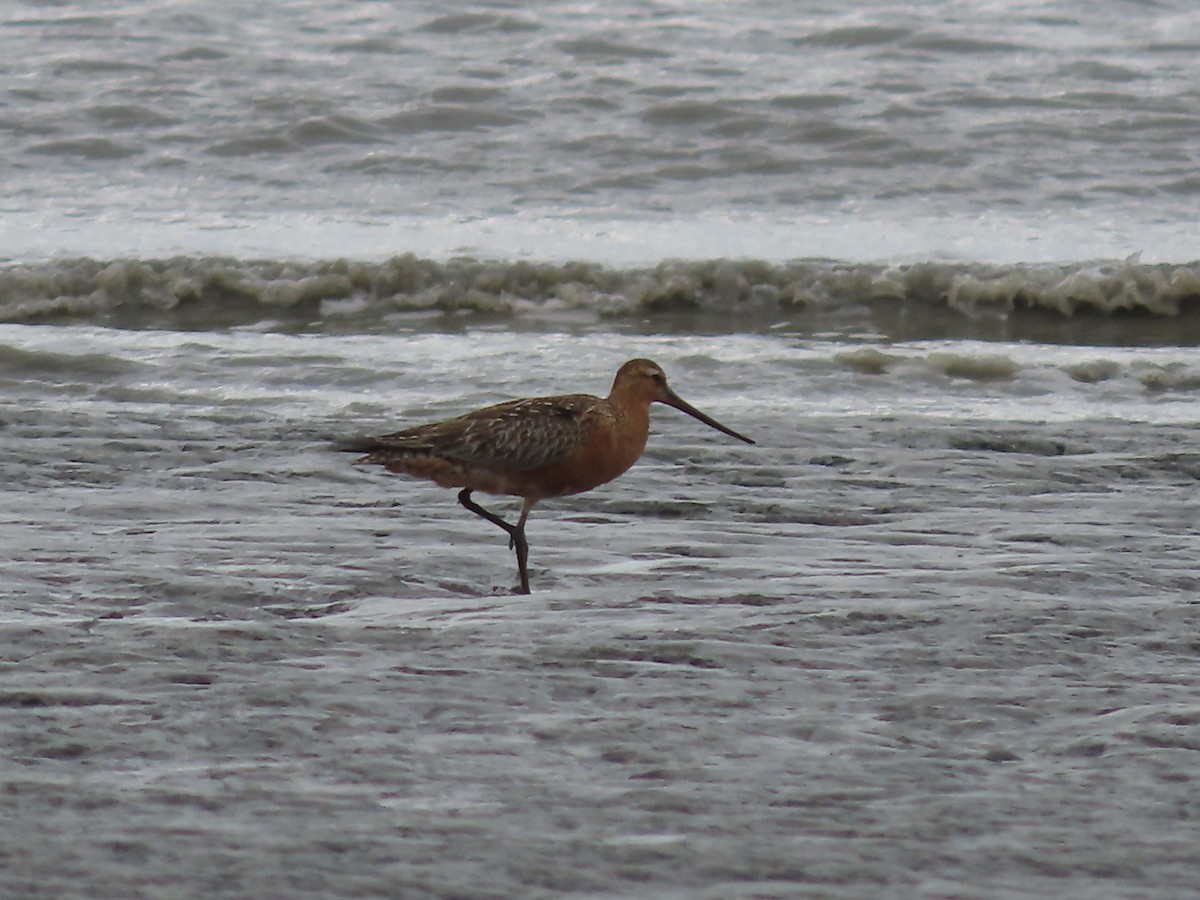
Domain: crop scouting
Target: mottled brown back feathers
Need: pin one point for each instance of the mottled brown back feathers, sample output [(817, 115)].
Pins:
[(515, 436)]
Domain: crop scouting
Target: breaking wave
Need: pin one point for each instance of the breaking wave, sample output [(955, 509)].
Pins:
[(910, 300)]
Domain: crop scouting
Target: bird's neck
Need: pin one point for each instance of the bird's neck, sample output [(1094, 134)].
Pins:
[(632, 413)]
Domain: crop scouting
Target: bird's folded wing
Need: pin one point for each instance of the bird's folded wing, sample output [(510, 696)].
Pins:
[(514, 436)]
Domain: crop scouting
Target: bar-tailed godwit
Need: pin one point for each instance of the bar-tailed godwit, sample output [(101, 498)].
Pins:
[(534, 448)]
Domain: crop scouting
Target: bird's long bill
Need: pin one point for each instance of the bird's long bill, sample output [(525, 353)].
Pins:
[(672, 399)]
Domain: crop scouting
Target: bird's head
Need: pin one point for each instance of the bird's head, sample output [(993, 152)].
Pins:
[(644, 381)]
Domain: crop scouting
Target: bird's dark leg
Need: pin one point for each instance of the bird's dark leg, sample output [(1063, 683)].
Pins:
[(516, 534)]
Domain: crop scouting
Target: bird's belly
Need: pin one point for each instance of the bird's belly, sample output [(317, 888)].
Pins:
[(592, 464)]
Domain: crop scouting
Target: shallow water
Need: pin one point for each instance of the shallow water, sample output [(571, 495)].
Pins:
[(936, 647)]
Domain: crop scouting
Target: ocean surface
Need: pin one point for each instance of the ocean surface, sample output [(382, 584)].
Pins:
[(937, 634)]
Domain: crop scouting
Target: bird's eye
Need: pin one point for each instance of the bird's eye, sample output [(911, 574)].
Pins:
[(659, 377)]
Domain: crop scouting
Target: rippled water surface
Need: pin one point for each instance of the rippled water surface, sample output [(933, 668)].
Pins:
[(933, 635), (209, 117)]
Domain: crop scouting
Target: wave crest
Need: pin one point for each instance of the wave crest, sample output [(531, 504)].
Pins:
[(734, 295)]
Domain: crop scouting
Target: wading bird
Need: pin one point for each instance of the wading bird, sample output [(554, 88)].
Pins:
[(535, 448)]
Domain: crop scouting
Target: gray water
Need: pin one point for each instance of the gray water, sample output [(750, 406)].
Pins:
[(978, 130), (934, 635)]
